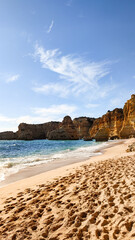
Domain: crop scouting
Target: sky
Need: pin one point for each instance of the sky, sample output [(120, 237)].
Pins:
[(64, 57)]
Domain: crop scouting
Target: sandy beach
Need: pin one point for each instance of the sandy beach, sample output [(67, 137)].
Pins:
[(94, 199)]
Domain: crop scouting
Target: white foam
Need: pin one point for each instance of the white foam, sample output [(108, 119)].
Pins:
[(10, 166)]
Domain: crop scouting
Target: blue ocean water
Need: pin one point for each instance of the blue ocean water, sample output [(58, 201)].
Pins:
[(15, 155)]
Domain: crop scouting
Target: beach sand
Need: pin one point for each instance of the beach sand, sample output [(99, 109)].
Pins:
[(94, 199)]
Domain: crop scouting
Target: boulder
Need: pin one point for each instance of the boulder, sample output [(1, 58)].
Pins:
[(131, 148)]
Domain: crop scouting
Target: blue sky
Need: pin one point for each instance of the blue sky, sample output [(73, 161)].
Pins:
[(64, 57)]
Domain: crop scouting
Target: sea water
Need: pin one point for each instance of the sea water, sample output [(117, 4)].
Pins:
[(16, 154)]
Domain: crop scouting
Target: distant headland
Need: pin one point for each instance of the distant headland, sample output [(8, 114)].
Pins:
[(116, 124)]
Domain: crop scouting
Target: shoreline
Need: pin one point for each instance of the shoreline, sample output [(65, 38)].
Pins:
[(31, 171), (93, 199), (113, 150)]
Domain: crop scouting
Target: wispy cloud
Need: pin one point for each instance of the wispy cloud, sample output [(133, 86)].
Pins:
[(75, 74), (50, 27), (53, 88), (13, 78), (6, 77), (55, 110)]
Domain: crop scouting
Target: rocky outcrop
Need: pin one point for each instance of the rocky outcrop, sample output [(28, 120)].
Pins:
[(128, 127), (108, 126), (82, 125), (35, 131), (131, 148), (119, 123), (66, 131), (9, 135)]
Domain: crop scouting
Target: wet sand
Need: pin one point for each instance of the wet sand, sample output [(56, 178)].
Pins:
[(94, 199)]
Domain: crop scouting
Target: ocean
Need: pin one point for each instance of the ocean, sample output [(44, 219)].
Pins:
[(16, 155)]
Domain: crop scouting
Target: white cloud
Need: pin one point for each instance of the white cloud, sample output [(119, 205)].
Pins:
[(55, 110), (6, 77), (53, 88), (50, 27), (13, 78), (76, 75)]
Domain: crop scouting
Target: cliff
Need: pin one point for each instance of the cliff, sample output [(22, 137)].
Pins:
[(82, 125), (35, 131), (9, 135), (66, 131), (108, 126), (128, 127), (119, 123)]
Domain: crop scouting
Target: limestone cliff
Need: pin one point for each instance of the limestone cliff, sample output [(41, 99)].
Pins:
[(119, 123), (66, 131), (35, 131), (82, 125), (108, 126), (9, 135), (128, 127)]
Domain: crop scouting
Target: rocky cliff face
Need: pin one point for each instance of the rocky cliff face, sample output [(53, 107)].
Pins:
[(9, 135), (66, 131), (119, 123), (128, 127), (82, 125), (108, 126), (35, 131)]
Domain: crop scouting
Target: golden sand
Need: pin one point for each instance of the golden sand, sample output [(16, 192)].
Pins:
[(91, 200)]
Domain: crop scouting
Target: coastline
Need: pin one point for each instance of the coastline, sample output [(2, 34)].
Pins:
[(31, 171), (31, 177), (93, 199)]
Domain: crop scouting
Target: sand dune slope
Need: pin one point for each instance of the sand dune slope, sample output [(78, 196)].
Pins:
[(96, 202)]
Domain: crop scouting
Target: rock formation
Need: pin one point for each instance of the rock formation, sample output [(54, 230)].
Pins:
[(119, 123), (9, 135), (66, 131), (128, 127), (82, 125), (35, 131), (131, 148), (108, 126)]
